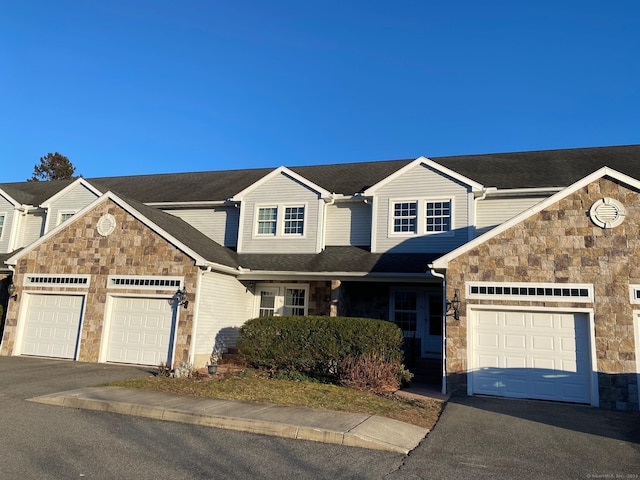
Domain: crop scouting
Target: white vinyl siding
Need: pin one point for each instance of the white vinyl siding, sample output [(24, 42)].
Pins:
[(224, 305), (6, 221), (31, 228), (491, 212), (349, 224), (281, 192), (220, 224), (421, 184), (72, 201)]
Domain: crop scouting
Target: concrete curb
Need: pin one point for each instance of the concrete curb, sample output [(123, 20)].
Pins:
[(341, 428)]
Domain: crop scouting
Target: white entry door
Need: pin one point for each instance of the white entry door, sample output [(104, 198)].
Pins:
[(141, 331), (539, 355), (52, 325)]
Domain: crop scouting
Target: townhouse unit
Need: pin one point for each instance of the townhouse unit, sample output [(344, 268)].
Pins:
[(512, 274)]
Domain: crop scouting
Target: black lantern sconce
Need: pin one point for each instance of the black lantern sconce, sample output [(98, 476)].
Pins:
[(181, 297), (454, 304), (12, 291)]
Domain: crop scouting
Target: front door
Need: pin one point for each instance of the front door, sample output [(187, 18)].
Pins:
[(419, 314)]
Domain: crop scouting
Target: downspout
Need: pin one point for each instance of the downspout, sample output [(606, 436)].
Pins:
[(444, 327)]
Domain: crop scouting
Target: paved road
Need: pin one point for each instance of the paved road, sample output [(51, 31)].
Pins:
[(48, 442), (476, 438), (490, 438)]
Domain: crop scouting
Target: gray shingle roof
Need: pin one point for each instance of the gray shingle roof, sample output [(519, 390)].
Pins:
[(544, 168), (536, 169), (339, 259)]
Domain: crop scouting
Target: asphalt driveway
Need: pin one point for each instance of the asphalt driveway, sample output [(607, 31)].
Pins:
[(476, 438), (495, 438)]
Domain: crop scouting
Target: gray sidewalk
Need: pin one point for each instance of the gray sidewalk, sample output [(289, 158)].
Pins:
[(350, 429)]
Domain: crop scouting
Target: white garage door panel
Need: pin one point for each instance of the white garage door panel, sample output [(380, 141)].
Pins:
[(531, 355), (52, 325), (140, 331)]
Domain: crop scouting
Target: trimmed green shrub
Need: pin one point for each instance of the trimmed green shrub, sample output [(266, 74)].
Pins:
[(317, 346)]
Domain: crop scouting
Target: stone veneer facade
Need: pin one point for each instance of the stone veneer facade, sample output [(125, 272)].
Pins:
[(132, 249), (560, 244)]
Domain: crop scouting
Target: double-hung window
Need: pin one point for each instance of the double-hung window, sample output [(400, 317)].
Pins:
[(405, 217), (280, 221), (438, 216), (294, 220), (63, 216), (420, 216), (267, 220), (1, 224)]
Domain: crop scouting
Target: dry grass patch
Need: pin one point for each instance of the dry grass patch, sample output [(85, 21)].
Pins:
[(253, 388)]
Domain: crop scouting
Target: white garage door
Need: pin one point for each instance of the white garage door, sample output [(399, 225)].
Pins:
[(540, 355), (52, 325), (140, 331)]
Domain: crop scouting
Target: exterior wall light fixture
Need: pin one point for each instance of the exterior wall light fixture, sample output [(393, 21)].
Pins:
[(12, 291), (454, 304), (181, 297)]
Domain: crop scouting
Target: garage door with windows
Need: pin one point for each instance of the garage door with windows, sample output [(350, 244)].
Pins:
[(530, 354)]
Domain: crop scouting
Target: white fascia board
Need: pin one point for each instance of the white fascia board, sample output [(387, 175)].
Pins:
[(278, 171), (442, 262), (522, 192), (200, 261), (196, 204), (248, 275), (475, 186), (79, 181)]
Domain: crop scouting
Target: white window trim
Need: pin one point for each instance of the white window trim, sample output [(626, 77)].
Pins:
[(534, 297), (65, 212), (392, 204), (3, 215), (57, 280), (144, 282), (443, 233), (634, 294), (304, 220), (280, 221), (279, 298), (256, 222), (421, 217)]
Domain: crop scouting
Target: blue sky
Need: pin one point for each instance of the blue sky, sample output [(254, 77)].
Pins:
[(154, 86)]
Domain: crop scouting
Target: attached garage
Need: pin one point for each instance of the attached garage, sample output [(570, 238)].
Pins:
[(140, 330), (52, 325), (542, 355)]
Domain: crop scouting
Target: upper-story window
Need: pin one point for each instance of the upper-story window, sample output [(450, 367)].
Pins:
[(405, 216), (280, 220), (267, 220), (1, 224), (411, 217), (65, 215), (294, 220), (438, 216)]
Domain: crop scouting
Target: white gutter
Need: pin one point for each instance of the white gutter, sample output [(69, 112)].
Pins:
[(444, 327)]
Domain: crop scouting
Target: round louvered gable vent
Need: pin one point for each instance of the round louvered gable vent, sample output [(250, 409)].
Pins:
[(607, 213)]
